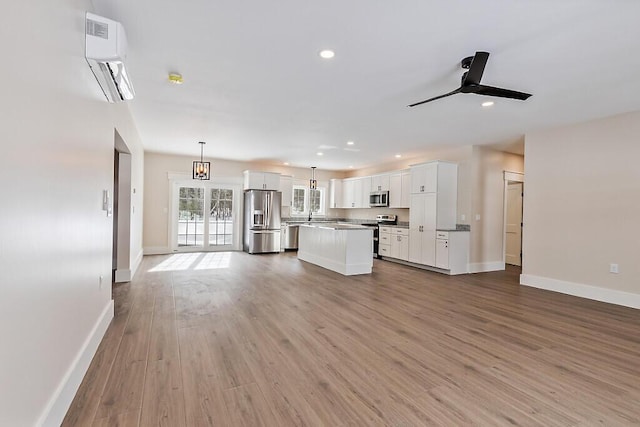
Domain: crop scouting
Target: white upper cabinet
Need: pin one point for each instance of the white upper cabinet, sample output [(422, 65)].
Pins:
[(261, 181), (380, 182), (424, 177), (405, 201), (271, 181), (355, 192), (348, 193), (395, 190), (399, 189), (335, 193), (365, 191), (286, 187)]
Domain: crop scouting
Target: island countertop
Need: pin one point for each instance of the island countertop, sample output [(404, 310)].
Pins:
[(336, 226)]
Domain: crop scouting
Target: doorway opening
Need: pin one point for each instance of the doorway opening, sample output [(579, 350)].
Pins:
[(205, 216), (121, 249), (513, 225)]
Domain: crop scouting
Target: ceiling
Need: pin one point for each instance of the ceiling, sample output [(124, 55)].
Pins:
[(256, 89)]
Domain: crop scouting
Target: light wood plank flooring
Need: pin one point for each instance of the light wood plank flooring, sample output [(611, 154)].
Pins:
[(247, 340)]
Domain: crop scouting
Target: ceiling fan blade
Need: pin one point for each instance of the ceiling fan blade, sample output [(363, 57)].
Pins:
[(453, 92), (476, 69), (499, 92)]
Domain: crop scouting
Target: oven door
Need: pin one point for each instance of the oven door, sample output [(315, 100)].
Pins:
[(375, 238)]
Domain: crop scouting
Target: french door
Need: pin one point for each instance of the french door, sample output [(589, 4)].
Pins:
[(205, 217)]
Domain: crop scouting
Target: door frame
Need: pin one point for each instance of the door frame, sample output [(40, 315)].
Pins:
[(122, 205), (175, 182), (508, 178)]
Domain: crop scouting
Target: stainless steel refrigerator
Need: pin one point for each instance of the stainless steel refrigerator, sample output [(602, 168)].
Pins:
[(261, 221)]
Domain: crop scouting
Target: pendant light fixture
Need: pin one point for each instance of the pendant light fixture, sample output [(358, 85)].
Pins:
[(313, 184), (201, 168)]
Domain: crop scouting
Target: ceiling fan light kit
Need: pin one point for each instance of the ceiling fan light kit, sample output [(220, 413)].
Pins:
[(470, 82)]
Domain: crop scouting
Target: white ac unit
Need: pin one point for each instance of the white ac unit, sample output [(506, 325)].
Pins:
[(106, 50)]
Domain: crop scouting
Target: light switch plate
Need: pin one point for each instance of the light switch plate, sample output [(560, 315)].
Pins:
[(477, 217), (613, 268)]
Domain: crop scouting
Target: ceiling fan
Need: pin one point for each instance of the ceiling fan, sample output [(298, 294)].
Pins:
[(471, 81)]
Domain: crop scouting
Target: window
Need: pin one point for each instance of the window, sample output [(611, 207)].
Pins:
[(305, 199), (190, 216), (221, 217)]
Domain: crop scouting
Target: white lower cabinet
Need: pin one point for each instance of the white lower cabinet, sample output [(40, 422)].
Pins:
[(393, 242), (452, 251), (400, 244), (442, 253), (422, 229), (384, 241)]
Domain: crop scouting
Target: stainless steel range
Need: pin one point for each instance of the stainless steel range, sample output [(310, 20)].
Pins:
[(380, 220)]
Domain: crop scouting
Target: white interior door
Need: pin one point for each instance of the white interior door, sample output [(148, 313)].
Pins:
[(513, 237)]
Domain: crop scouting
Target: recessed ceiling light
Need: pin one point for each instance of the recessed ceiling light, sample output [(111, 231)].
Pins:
[(398, 156), (286, 163), (320, 153), (351, 167), (327, 54), (350, 142), (487, 104)]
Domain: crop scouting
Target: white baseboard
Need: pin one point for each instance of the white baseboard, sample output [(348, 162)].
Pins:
[(156, 250), (61, 399), (136, 263), (482, 267), (122, 275), (597, 293)]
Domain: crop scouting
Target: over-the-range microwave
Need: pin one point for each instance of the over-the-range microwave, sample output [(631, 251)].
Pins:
[(379, 198)]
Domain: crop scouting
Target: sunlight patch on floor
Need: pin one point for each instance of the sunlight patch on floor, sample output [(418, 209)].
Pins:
[(176, 262), (214, 260)]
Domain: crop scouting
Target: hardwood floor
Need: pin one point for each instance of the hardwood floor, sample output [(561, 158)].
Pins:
[(234, 339)]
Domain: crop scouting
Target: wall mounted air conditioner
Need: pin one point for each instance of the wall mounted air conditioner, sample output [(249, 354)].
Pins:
[(106, 50)]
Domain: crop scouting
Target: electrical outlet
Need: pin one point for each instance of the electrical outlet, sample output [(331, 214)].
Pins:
[(477, 217), (613, 268), (463, 217)]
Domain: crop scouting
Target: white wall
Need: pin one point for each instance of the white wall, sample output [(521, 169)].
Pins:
[(57, 157), (582, 210)]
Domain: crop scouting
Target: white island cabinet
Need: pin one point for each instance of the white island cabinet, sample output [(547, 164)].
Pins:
[(344, 248)]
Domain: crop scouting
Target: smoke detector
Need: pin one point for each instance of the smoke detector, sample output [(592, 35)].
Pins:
[(176, 78)]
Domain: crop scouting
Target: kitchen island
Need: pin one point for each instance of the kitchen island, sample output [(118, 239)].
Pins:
[(344, 248)]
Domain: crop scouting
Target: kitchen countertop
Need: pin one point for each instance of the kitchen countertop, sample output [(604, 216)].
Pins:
[(395, 225), (299, 221)]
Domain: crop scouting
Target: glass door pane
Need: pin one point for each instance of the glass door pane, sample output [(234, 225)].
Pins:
[(221, 217), (191, 217)]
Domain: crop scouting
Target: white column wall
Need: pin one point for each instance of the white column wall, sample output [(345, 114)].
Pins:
[(55, 240)]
